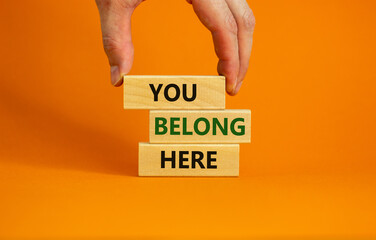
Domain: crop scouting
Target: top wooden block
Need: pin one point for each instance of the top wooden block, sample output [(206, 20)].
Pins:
[(174, 92)]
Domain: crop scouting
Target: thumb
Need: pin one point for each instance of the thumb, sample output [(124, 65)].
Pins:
[(115, 18)]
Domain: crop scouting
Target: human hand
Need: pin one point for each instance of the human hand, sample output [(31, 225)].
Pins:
[(231, 23)]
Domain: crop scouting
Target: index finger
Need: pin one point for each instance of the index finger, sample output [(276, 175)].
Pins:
[(217, 17)]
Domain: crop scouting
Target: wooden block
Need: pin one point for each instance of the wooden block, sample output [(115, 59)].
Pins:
[(174, 92), (188, 159), (200, 126)]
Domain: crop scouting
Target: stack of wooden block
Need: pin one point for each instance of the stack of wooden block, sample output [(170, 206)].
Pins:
[(190, 132)]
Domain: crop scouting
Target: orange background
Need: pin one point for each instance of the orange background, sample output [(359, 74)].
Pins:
[(68, 150)]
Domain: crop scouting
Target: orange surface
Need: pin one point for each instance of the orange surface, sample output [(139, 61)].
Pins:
[(68, 150)]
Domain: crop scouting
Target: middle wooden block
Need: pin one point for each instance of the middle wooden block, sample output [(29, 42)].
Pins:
[(200, 126)]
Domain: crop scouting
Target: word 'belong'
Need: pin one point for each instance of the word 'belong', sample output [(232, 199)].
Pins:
[(200, 126)]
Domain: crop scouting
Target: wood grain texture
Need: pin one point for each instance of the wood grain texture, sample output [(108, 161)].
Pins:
[(210, 92), (200, 126), (225, 157)]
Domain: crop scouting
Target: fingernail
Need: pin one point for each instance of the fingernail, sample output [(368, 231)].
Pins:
[(115, 75), (230, 88), (237, 88)]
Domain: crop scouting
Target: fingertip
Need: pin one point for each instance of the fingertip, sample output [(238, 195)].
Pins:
[(116, 78), (230, 76), (230, 88), (119, 83), (230, 85)]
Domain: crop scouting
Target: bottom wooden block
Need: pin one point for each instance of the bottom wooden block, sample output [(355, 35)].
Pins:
[(188, 159)]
